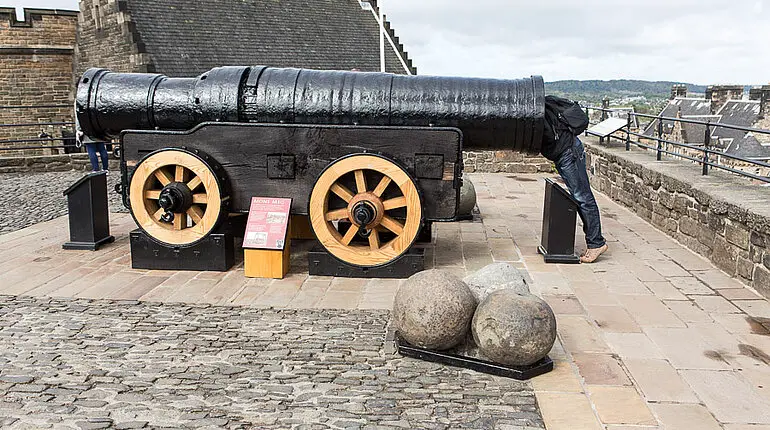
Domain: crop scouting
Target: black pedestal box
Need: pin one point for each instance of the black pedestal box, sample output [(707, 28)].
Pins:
[(214, 252), (559, 217), (322, 263), (89, 217)]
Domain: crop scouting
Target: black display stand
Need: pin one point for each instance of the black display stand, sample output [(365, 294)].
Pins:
[(322, 263), (215, 252), (89, 216), (559, 217), (521, 373)]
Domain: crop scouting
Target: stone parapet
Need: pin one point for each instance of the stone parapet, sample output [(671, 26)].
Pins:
[(49, 163), (504, 162), (722, 216)]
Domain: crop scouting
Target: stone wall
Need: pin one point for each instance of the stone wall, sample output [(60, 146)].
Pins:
[(504, 162), (36, 64), (107, 37), (50, 163), (722, 217)]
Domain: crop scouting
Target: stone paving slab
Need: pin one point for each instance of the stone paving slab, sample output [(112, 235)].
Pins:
[(76, 363)]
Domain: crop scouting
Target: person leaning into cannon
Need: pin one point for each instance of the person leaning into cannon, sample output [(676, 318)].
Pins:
[(93, 147), (564, 121)]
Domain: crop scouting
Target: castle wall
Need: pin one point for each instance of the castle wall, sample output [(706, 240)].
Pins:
[(36, 64), (107, 38)]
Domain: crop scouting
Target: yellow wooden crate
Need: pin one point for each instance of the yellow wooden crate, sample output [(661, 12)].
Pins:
[(267, 263)]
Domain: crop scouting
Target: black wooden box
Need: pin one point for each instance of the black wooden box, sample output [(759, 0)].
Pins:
[(89, 218), (214, 252), (559, 217), (322, 263)]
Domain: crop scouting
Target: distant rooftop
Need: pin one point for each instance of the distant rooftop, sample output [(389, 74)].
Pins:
[(738, 112)]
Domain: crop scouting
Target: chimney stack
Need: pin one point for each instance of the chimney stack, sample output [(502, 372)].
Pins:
[(718, 95), (678, 90), (755, 93)]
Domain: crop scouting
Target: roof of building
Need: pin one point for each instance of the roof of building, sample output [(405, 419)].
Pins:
[(743, 113), (748, 147), (695, 134), (186, 38), (686, 105)]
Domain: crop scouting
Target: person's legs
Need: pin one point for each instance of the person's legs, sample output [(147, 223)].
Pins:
[(572, 168), (104, 156), (91, 148)]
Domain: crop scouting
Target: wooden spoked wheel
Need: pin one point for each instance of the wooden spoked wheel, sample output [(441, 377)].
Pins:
[(365, 210), (178, 182)]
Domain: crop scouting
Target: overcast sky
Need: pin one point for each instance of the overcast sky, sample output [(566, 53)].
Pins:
[(697, 41)]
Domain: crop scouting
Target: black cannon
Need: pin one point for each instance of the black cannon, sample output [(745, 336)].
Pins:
[(369, 157)]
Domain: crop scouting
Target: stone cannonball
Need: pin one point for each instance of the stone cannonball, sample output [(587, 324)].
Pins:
[(433, 309), (467, 199), (496, 276), (514, 329)]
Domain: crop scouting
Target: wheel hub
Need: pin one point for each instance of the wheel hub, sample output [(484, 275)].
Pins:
[(364, 213), (365, 210), (175, 197)]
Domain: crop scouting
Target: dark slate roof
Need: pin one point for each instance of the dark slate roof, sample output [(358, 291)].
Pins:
[(748, 147), (743, 113), (688, 107), (186, 38), (695, 134)]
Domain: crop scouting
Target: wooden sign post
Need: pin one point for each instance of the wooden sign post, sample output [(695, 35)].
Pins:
[(266, 242)]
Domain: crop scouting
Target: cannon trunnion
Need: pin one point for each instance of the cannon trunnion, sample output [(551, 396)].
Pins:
[(368, 157)]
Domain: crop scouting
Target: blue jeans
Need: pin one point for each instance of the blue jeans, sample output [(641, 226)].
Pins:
[(92, 148), (572, 168)]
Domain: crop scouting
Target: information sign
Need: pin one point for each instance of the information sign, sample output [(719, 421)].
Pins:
[(268, 223)]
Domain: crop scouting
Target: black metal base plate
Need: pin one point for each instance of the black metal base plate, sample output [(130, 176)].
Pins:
[(215, 253), (89, 246), (558, 258), (426, 233), (321, 263), (521, 373)]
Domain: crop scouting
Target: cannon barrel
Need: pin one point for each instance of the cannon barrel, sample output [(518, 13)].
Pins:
[(491, 113)]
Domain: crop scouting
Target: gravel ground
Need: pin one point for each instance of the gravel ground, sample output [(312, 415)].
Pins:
[(30, 198), (105, 364)]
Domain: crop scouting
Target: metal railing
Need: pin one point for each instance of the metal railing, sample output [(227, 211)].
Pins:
[(67, 142), (704, 154)]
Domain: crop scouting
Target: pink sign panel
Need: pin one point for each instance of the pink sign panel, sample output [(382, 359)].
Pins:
[(267, 224)]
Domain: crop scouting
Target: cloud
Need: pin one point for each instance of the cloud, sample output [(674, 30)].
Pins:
[(699, 41), (703, 41)]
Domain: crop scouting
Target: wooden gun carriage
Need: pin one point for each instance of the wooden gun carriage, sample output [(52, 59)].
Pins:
[(369, 157)]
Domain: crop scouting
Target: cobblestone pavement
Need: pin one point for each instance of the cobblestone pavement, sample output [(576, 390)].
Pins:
[(30, 198), (106, 364)]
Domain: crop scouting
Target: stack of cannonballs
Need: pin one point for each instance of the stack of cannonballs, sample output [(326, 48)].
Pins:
[(436, 310)]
